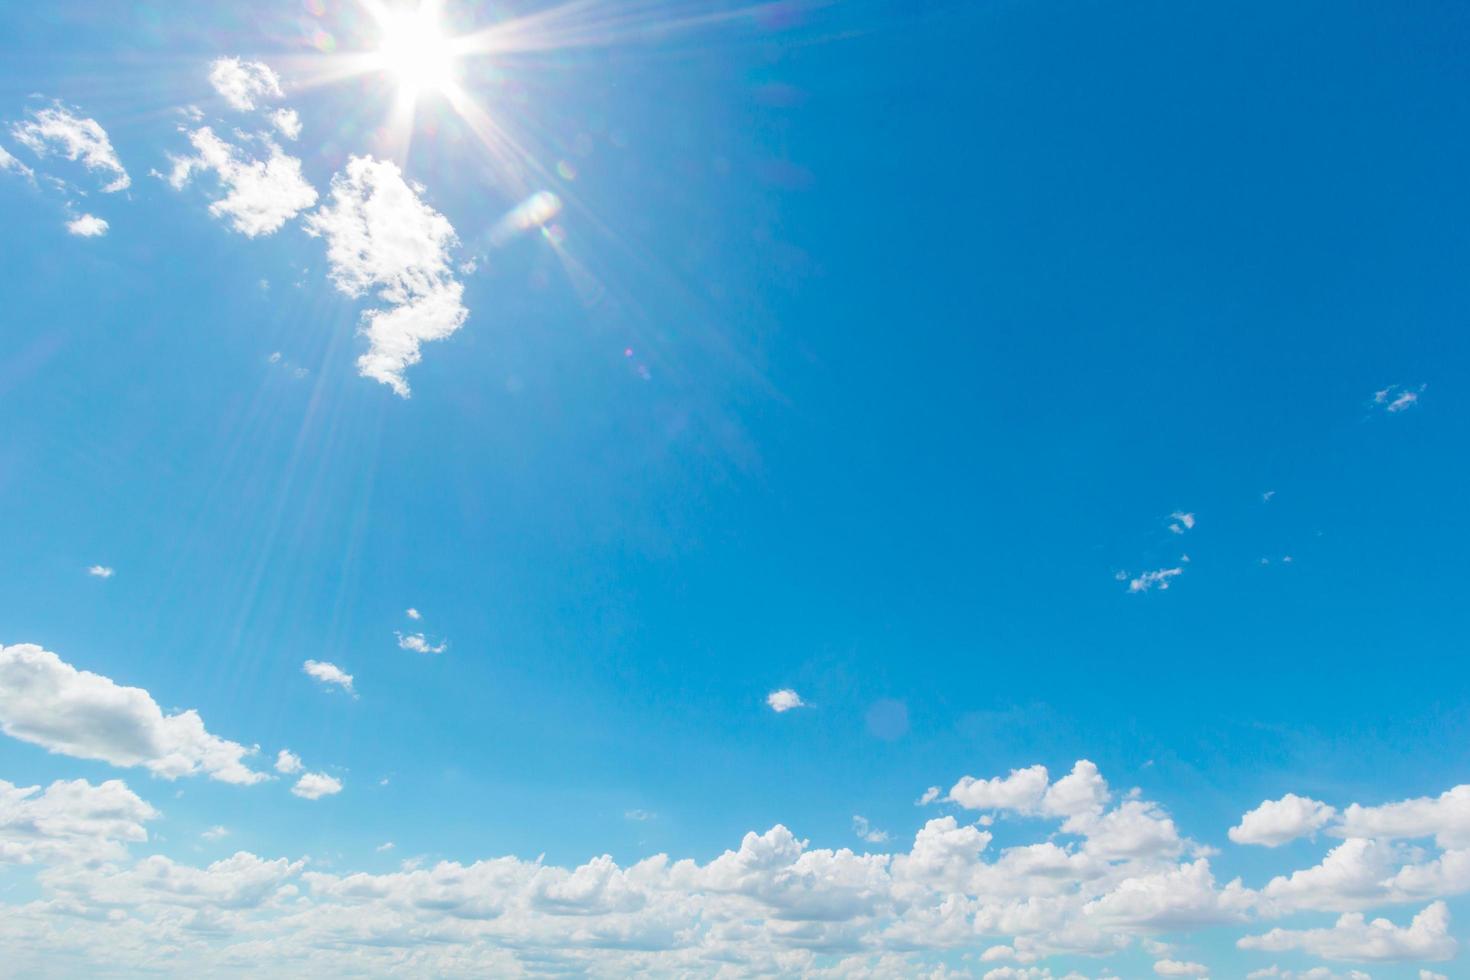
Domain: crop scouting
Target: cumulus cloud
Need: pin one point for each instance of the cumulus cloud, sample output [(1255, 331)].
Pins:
[(315, 785), (70, 821), (56, 129), (1276, 822), (382, 237), (419, 643), (48, 702), (288, 762), (87, 226), (261, 193), (784, 700), (100, 571), (244, 84), (329, 673), (412, 613), (1355, 938)]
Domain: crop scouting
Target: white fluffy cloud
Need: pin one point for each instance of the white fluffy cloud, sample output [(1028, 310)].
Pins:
[(70, 821), (419, 643), (48, 702), (287, 122), (1355, 938), (1179, 968), (288, 762), (87, 226), (784, 700), (244, 84), (100, 571), (382, 237), (262, 192), (315, 785), (329, 673), (1276, 822), (57, 130)]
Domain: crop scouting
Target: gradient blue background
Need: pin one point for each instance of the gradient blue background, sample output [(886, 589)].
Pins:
[(944, 309)]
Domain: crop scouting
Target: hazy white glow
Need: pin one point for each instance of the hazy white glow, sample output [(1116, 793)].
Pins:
[(416, 51)]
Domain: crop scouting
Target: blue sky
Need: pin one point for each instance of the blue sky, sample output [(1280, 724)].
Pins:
[(985, 386)]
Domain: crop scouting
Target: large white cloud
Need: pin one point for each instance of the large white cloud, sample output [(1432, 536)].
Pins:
[(48, 702), (1353, 937), (262, 191), (56, 129), (70, 821), (382, 237)]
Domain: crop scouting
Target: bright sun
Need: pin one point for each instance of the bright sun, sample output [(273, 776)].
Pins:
[(416, 51)]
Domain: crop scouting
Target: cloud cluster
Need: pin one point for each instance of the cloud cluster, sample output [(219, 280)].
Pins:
[(1105, 872), (48, 702)]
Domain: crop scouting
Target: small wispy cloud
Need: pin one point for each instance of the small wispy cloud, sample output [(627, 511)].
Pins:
[(1158, 579), (1397, 398), (412, 613), (784, 700), (639, 815), (867, 831), (101, 571), (329, 673), (57, 130), (1181, 522), (1266, 497), (215, 833), (288, 762), (387, 845), (419, 643), (9, 162), (930, 795)]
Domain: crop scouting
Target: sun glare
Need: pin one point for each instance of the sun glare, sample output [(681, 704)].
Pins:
[(415, 50)]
